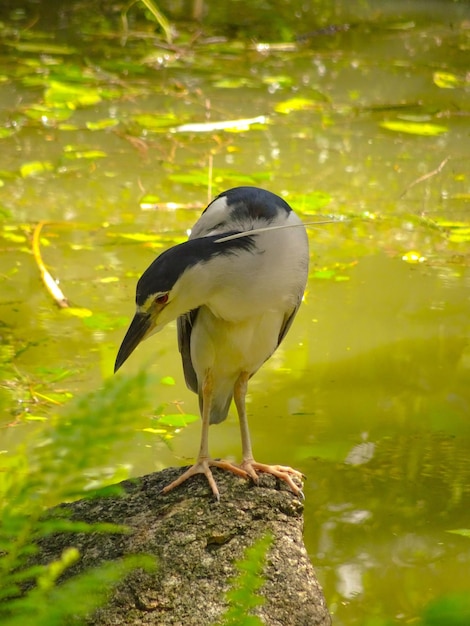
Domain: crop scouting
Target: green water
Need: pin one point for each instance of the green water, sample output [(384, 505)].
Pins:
[(369, 395)]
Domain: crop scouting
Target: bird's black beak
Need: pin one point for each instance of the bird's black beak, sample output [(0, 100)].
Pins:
[(137, 331)]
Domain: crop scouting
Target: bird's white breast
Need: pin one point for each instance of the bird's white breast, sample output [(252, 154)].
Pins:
[(272, 277), (227, 348)]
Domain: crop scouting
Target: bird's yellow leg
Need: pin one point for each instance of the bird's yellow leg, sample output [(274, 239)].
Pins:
[(249, 464), (239, 395), (204, 462)]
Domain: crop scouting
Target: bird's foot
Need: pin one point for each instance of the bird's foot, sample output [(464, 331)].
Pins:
[(202, 466), (280, 471)]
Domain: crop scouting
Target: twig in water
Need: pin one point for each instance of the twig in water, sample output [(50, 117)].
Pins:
[(50, 284), (438, 169)]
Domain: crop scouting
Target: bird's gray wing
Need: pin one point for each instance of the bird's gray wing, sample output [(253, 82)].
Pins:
[(288, 319), (286, 324), (184, 325)]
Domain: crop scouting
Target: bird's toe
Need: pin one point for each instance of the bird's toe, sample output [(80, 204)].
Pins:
[(202, 466), (281, 472)]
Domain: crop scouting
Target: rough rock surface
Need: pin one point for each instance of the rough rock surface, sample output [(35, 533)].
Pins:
[(196, 541)]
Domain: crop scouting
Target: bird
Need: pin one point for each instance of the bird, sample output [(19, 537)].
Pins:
[(234, 288)]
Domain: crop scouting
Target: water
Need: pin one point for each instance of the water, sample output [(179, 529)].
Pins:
[(369, 395)]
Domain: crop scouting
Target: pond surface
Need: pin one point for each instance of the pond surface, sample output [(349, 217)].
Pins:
[(369, 395)]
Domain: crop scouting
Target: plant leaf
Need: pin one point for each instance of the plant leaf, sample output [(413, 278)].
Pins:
[(414, 128)]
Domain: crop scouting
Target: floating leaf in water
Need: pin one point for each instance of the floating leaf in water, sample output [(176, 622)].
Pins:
[(7, 132), (169, 381), (227, 125), (326, 274), (13, 237), (464, 532), (71, 96), (85, 154), (414, 128), (155, 122), (177, 420), (109, 279), (461, 236), (220, 177), (310, 203), (32, 81), (112, 94), (451, 223), (47, 115), (459, 232), (149, 201), (278, 81), (154, 431), (136, 236), (300, 104), (446, 80), (100, 321), (34, 168), (77, 312)]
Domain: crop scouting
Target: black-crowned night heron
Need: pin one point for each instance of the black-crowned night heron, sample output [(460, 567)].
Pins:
[(234, 297)]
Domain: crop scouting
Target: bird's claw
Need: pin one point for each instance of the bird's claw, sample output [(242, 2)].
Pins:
[(282, 472), (248, 469), (202, 466)]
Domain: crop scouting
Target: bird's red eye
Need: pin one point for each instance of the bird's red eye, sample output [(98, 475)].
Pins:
[(162, 298)]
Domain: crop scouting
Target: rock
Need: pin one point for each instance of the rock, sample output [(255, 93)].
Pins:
[(196, 541)]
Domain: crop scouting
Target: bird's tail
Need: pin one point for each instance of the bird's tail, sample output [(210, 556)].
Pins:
[(219, 406)]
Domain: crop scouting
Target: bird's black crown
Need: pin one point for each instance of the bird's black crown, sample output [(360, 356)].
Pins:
[(253, 203)]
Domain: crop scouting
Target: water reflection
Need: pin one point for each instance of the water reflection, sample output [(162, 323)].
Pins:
[(349, 580)]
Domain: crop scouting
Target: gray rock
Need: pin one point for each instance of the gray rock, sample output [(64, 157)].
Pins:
[(196, 541)]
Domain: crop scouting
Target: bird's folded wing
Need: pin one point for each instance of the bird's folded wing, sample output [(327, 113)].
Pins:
[(288, 319), (185, 326)]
